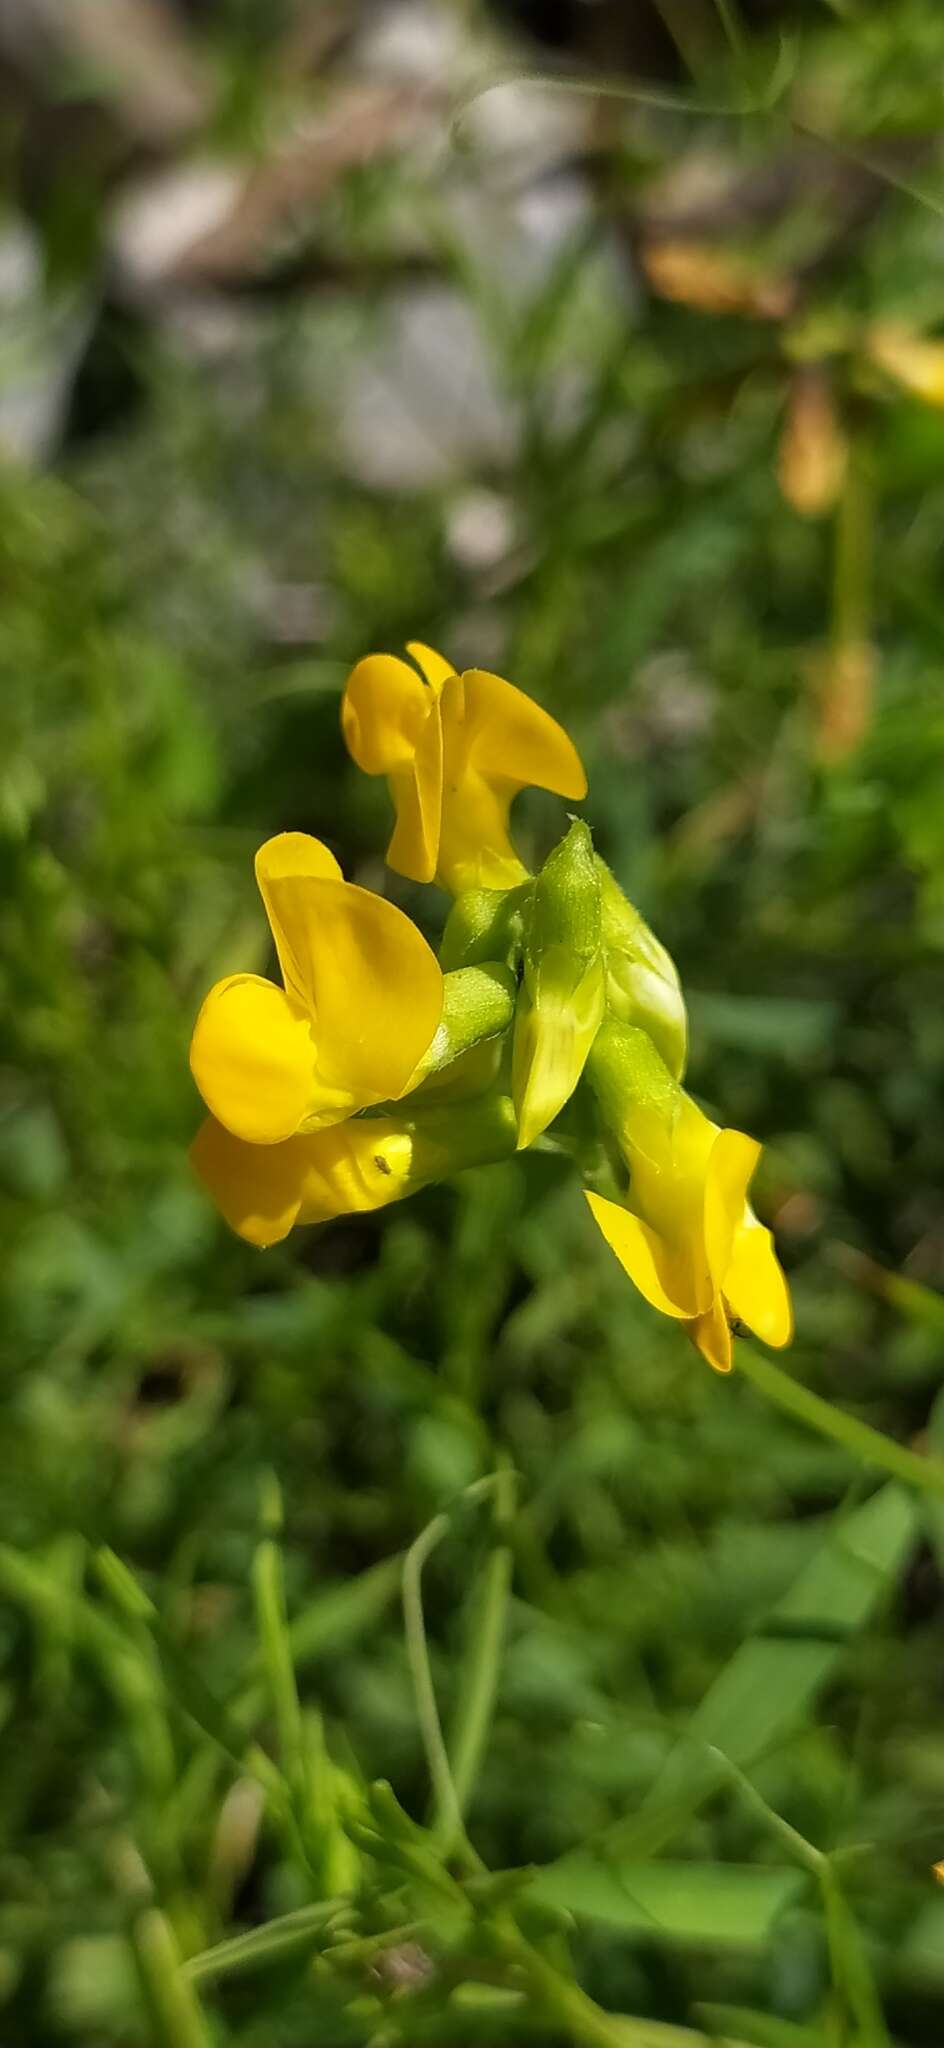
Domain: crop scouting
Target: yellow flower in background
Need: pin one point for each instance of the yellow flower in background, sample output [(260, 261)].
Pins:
[(361, 1001), (914, 361), (686, 1234), (455, 751)]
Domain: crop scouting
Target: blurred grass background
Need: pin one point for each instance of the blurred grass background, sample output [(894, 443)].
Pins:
[(319, 336)]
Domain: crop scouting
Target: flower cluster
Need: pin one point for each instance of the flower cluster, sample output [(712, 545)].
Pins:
[(552, 1015)]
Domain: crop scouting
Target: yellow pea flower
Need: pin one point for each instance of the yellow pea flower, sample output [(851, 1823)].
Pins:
[(687, 1235), (361, 1001), (455, 750), (264, 1190), (365, 1163)]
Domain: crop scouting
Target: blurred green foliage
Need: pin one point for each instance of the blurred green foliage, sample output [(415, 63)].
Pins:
[(718, 1683)]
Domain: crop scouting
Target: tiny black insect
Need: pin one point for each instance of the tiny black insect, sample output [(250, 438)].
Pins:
[(383, 1165)]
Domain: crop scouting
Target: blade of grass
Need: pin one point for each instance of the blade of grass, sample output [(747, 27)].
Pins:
[(774, 1677), (268, 1587)]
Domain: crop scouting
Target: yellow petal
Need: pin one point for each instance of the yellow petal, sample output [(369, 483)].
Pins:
[(475, 851), (253, 1059), (391, 725), (495, 742), (288, 857), (711, 1334), (434, 666), (384, 706), (263, 1190), (417, 793), (508, 735), (755, 1286), (376, 989), (644, 1256), (731, 1163)]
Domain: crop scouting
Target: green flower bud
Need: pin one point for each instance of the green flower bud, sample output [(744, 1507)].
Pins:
[(561, 999), (642, 984)]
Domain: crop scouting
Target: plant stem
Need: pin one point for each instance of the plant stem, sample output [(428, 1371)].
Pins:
[(477, 1694), (586, 2023), (858, 1438), (852, 562), (448, 1821)]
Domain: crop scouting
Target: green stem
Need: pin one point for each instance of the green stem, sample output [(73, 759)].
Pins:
[(586, 2023), (734, 33), (477, 1694), (849, 1965), (447, 1822), (272, 1622), (859, 1438), (852, 562), (448, 1813), (175, 2008)]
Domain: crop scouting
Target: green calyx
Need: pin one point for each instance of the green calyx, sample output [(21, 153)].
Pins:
[(642, 985), (478, 1005), (626, 1072), (450, 1136), (485, 925)]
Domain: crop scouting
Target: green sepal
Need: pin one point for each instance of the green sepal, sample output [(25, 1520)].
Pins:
[(478, 1006), (642, 984), (485, 925), (450, 1136), (627, 1072)]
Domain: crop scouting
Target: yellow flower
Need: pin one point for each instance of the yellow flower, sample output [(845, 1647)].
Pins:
[(366, 1163), (361, 1001), (687, 1236), (263, 1190), (455, 751)]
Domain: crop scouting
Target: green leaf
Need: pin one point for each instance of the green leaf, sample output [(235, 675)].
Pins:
[(718, 1904)]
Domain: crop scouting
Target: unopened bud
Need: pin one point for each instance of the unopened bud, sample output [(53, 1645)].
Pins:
[(642, 984), (561, 999)]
